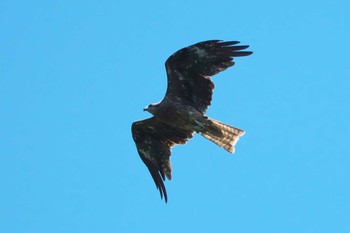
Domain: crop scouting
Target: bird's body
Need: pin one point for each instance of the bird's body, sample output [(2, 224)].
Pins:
[(176, 114), (182, 111)]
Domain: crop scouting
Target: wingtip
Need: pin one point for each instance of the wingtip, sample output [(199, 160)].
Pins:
[(241, 53), (229, 43), (163, 194), (247, 53)]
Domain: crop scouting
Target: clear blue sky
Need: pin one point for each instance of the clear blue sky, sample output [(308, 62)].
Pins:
[(74, 75)]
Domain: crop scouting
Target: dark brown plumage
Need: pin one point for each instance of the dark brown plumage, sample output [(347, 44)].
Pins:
[(182, 110)]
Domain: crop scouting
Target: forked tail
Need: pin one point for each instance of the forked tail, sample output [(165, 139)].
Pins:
[(221, 134)]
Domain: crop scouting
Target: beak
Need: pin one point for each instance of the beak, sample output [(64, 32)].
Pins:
[(145, 109)]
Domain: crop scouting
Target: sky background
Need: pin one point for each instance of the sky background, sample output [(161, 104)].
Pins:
[(74, 75)]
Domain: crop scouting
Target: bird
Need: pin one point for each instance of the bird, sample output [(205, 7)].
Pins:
[(182, 111)]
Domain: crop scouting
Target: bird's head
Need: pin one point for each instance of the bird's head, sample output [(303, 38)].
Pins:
[(151, 108)]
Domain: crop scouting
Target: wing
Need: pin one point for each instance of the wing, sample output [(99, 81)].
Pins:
[(190, 69), (154, 140)]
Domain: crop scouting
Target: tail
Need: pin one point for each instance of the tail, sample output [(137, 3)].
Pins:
[(221, 134)]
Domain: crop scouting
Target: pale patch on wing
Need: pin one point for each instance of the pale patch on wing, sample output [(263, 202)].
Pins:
[(181, 77), (200, 52)]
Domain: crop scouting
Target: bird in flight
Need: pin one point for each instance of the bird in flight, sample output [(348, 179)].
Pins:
[(182, 110)]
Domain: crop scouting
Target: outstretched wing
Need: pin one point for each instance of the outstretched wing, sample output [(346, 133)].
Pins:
[(190, 69), (154, 140)]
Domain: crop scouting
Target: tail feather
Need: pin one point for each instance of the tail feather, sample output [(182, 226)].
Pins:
[(222, 134)]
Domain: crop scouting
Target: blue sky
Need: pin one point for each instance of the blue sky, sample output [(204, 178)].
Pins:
[(74, 75)]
